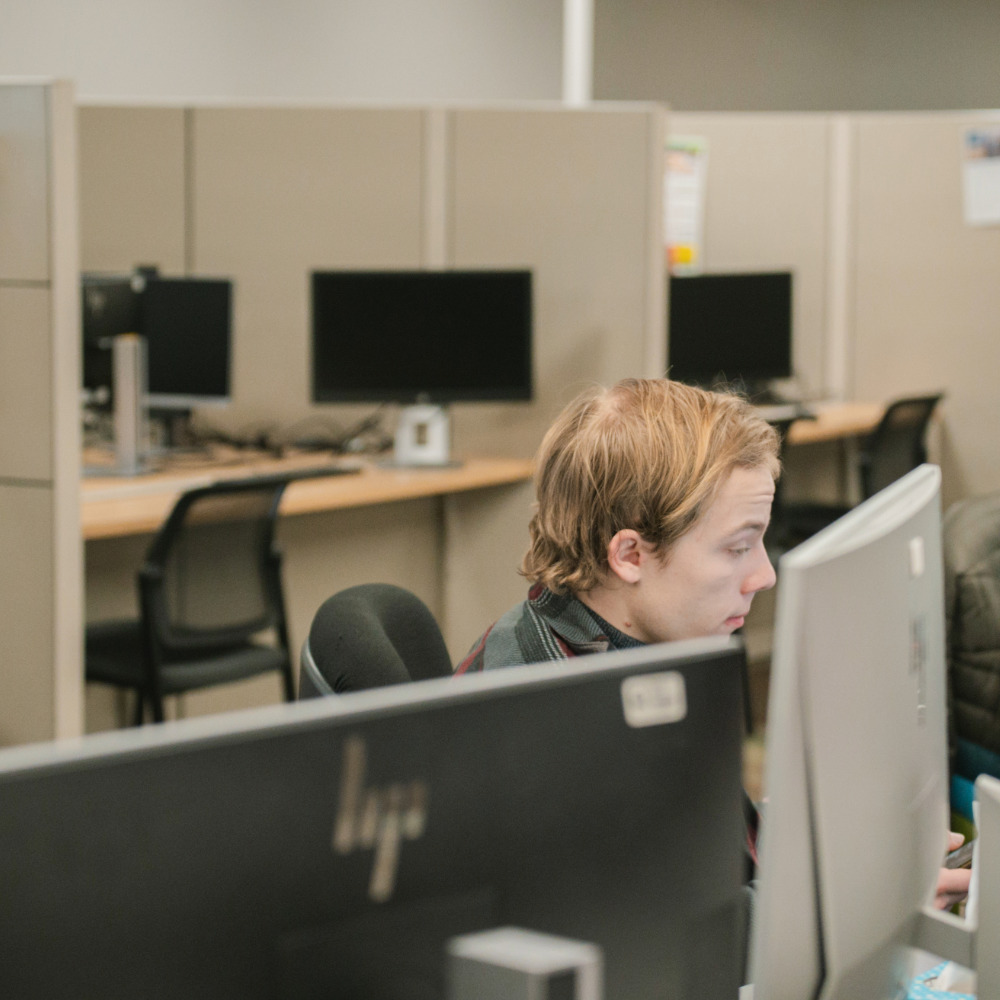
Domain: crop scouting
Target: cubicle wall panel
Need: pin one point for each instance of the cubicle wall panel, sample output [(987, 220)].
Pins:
[(27, 582), (24, 183), (766, 208), (281, 192), (566, 193), (26, 403), (40, 644), (484, 530), (132, 188), (927, 291)]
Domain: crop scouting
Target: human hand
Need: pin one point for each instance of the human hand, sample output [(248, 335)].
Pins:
[(953, 883)]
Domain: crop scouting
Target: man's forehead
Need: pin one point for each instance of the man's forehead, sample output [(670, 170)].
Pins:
[(747, 485), (744, 498)]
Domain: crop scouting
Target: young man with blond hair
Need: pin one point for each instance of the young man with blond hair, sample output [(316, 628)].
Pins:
[(652, 502)]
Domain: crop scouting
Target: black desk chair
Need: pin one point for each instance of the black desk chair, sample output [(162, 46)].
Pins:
[(209, 590), (895, 447), (371, 635)]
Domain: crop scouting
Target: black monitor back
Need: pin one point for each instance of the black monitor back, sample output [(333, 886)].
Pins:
[(187, 323), (330, 848), (441, 336), (730, 328), (109, 306)]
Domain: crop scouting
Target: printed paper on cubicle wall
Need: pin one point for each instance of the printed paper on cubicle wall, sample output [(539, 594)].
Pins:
[(684, 202), (981, 176)]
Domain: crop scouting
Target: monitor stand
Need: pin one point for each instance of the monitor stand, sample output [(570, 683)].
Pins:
[(423, 438), (131, 422)]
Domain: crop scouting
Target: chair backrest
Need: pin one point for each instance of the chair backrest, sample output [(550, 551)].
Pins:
[(898, 443), (212, 573), (371, 635)]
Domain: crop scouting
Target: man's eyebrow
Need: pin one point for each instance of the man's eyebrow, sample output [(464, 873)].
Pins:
[(748, 526)]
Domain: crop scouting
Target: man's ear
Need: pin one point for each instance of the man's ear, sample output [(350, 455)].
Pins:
[(626, 553)]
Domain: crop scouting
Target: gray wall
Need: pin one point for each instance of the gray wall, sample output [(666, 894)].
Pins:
[(786, 55), (347, 50), (728, 55)]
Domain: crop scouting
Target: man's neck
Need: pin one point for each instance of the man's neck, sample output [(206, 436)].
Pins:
[(609, 603)]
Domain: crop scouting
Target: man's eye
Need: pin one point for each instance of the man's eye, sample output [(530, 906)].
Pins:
[(742, 551)]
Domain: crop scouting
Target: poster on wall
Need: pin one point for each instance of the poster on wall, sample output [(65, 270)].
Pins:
[(684, 202), (981, 176)]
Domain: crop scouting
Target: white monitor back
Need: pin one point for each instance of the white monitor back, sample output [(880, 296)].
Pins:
[(856, 773)]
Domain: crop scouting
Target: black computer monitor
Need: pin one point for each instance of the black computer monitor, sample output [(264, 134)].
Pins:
[(730, 328), (330, 848), (429, 336), (109, 307), (187, 323), (856, 773), (187, 326)]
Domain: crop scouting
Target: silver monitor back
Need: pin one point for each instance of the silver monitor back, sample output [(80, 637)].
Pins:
[(856, 772)]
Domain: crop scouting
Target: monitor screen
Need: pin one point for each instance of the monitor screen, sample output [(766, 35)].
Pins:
[(856, 772), (109, 307), (730, 328), (187, 323), (434, 336), (330, 848)]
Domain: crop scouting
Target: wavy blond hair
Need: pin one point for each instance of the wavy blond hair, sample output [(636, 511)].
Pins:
[(647, 454)]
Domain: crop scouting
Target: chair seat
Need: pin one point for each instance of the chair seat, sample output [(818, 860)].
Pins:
[(113, 655)]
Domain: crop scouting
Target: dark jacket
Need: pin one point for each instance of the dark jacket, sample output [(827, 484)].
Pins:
[(971, 531)]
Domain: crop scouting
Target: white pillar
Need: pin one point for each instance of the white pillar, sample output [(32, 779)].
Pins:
[(578, 51)]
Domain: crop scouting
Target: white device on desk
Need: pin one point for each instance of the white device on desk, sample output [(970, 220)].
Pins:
[(855, 829), (423, 436)]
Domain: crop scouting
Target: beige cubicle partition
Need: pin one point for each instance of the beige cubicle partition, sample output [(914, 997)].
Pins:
[(927, 302), (569, 194), (267, 194), (896, 292), (40, 549), (133, 167)]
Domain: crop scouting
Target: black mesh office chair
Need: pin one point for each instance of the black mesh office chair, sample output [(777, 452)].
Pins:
[(209, 593), (371, 635), (897, 445)]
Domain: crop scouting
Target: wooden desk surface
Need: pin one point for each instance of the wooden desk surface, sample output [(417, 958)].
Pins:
[(835, 421), (114, 506)]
